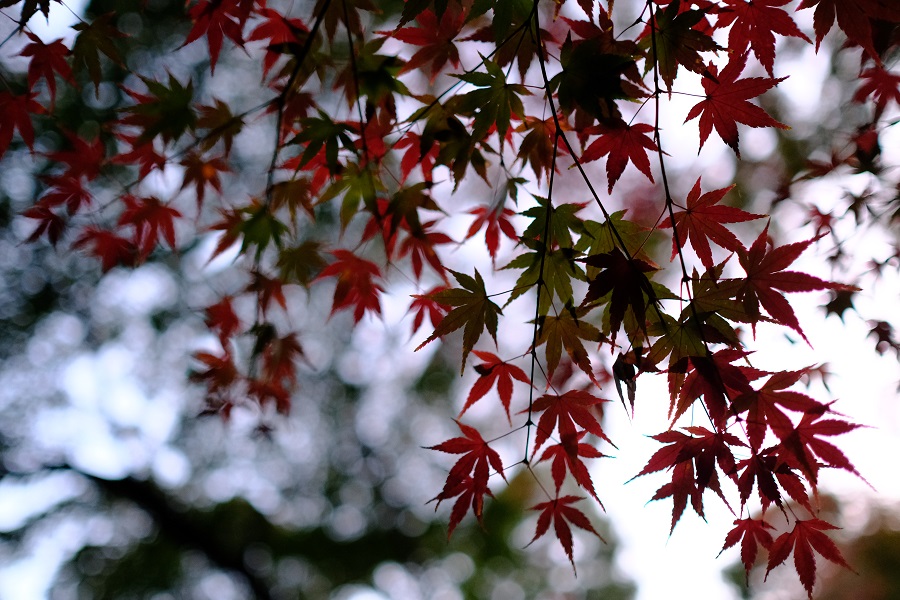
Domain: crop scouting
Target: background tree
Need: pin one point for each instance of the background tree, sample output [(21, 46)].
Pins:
[(347, 166)]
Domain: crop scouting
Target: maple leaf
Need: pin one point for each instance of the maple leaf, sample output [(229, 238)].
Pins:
[(141, 153), (560, 511), (48, 222), (766, 277), (283, 34), (566, 331), (469, 476), (752, 533), (494, 103), (678, 41), (435, 36), (854, 19), (221, 123), (217, 19), (626, 280), (47, 61), (564, 411), (726, 102), (356, 284), (201, 173), (566, 456), (764, 407), (221, 319), (419, 245), (803, 539), (716, 380), (110, 248), (769, 471), (151, 219), (623, 143), (15, 113), (93, 39), (29, 7), (69, 191), (804, 449), (84, 158), (491, 371), (552, 271), (266, 290), (538, 144), (882, 85), (472, 308), (753, 25), (300, 263), (167, 112), (701, 221), (494, 220)]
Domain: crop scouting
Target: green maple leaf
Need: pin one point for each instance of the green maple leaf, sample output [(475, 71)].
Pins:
[(559, 269), (567, 331), (600, 238), (166, 112), (494, 103), (473, 309), (562, 222)]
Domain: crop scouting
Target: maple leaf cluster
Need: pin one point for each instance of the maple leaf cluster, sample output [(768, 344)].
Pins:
[(433, 97)]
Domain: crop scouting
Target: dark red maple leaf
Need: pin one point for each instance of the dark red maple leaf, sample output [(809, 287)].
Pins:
[(47, 61), (804, 449), (15, 113), (564, 411), (702, 221), (766, 279), (623, 143), (218, 19), (141, 153), (67, 190), (882, 85), (419, 246), (752, 533), (567, 456), (726, 102), (854, 19), (356, 285), (151, 219), (627, 281), (769, 472), (753, 25), (84, 158), (201, 172), (765, 407), (803, 539), (491, 371), (469, 476), (48, 222), (266, 290), (111, 248), (562, 513)]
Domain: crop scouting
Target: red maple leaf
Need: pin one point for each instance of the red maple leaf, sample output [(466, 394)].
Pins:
[(566, 456), (419, 246), (768, 471), (469, 476), (753, 25), (726, 102), (217, 19), (854, 19), (83, 159), (414, 156), (141, 153), (564, 411), (425, 305), (221, 319), (201, 172), (766, 279), (435, 36), (493, 220), (356, 286), (882, 85), (151, 219), (110, 248), (560, 511), (752, 533), (67, 190), (282, 34), (701, 222), (47, 61), (48, 222), (623, 143), (15, 113), (803, 539), (491, 371)]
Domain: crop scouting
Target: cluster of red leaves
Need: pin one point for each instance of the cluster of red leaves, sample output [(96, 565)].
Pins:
[(591, 281)]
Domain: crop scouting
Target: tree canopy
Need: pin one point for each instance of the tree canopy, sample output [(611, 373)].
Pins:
[(573, 197)]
